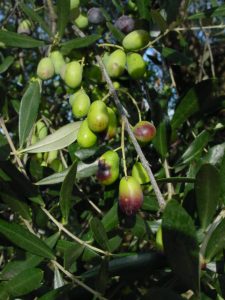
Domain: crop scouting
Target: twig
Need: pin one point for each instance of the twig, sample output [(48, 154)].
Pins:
[(13, 10), (77, 281), (123, 149), (169, 184), (52, 16), (10, 142), (210, 52), (120, 108), (79, 241)]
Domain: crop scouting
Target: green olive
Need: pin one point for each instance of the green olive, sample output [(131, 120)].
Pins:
[(81, 21), (112, 126), (98, 117), (56, 165), (52, 155), (73, 74), (136, 40), (108, 168), (85, 137), (24, 27), (45, 68), (130, 195), (116, 62), (136, 66), (74, 4), (57, 60), (80, 104), (139, 172), (41, 130)]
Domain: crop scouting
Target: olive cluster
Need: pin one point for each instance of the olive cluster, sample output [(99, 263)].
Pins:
[(98, 119)]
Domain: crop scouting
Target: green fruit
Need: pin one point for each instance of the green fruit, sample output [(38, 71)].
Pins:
[(24, 27), (52, 155), (73, 74), (136, 40), (116, 85), (56, 165), (130, 195), (135, 65), (139, 173), (74, 4), (81, 21), (112, 126), (144, 131), (41, 130), (132, 5), (34, 139), (57, 60), (159, 239), (115, 65), (98, 117), (85, 137), (45, 69), (80, 104), (108, 168)]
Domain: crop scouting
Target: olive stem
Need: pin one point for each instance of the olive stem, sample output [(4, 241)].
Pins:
[(110, 45), (112, 90), (133, 101), (106, 97), (123, 148), (117, 149)]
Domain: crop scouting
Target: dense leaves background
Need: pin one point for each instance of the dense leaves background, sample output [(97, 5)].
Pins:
[(62, 234)]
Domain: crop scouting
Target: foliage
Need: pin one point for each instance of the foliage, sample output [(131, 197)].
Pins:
[(64, 233)]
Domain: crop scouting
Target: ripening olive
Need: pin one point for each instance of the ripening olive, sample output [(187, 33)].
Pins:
[(80, 104), (130, 195), (81, 21), (135, 65), (112, 126), (41, 130), (85, 137), (73, 74), (57, 60), (45, 68), (115, 65), (108, 168), (136, 40), (144, 131), (98, 117), (125, 24), (24, 27), (95, 15)]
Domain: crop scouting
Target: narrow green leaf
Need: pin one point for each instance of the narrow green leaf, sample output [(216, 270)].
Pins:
[(3, 292), (12, 39), (78, 43), (210, 13), (71, 254), (114, 243), (207, 190), (180, 244), (28, 110), (59, 139), (103, 276), (215, 155), (117, 34), (25, 282), (222, 176), (17, 206), (143, 9), (83, 171), (63, 11), (159, 20), (35, 17), (216, 242), (24, 239), (175, 57), (160, 141), (99, 233), (196, 147), (111, 219), (6, 64), (56, 294), (66, 192), (12, 268)]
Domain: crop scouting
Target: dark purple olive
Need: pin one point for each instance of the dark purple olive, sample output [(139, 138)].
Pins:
[(125, 24), (95, 15)]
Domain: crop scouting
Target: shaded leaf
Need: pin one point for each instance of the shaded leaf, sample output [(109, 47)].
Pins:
[(175, 57), (56, 294), (117, 34), (35, 17), (159, 20), (179, 237), (63, 11), (66, 192), (4, 148), (12, 39), (216, 242), (114, 243), (78, 43), (103, 276), (207, 190), (59, 139), (25, 282), (24, 239), (71, 254), (160, 141), (161, 294), (110, 219), (99, 233), (143, 9), (6, 64), (209, 13), (28, 110), (196, 147)]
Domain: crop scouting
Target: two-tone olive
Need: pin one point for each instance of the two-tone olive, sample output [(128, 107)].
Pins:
[(108, 168)]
